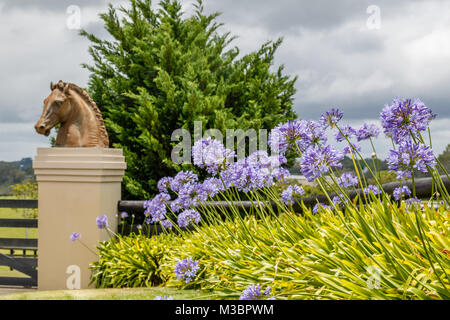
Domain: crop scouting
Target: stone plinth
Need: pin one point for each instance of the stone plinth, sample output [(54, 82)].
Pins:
[(76, 185)]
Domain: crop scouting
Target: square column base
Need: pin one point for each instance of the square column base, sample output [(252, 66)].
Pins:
[(76, 185)]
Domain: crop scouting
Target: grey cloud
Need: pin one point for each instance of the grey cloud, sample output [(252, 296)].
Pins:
[(49, 5), (297, 15)]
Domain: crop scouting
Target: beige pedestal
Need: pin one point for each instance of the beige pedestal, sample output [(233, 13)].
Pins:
[(76, 185)]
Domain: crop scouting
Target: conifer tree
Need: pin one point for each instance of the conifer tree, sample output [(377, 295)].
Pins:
[(162, 71)]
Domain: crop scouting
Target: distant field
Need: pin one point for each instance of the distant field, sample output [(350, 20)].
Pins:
[(13, 233)]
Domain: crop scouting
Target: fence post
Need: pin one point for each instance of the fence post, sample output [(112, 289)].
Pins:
[(76, 185)]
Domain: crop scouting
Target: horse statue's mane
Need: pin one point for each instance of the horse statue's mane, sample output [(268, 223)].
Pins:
[(103, 134)]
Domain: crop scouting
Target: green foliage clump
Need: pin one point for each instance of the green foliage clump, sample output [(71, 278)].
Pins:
[(374, 252), (15, 172), (444, 158), (162, 71), (132, 261), (26, 190)]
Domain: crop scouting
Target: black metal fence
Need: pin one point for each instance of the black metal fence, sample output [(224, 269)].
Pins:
[(16, 257)]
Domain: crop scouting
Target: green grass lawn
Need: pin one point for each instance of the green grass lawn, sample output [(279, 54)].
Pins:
[(111, 294), (31, 233)]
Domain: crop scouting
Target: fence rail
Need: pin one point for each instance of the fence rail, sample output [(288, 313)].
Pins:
[(19, 203), (22, 263)]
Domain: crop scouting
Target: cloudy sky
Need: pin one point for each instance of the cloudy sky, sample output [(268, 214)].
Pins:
[(352, 54)]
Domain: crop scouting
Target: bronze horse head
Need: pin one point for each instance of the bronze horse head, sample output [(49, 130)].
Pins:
[(80, 119)]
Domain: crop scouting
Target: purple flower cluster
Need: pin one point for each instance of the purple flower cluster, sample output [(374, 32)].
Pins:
[(404, 117), (298, 133), (367, 131), (102, 222), (181, 179), (320, 206), (372, 189), (156, 209), (351, 148), (340, 199), (164, 184), (400, 192), (318, 160), (166, 224), (345, 132), (331, 118), (315, 135), (212, 186), (289, 192), (408, 157), (187, 217), (211, 154), (255, 292), (285, 136), (347, 180), (254, 172), (74, 236), (186, 269), (191, 195)]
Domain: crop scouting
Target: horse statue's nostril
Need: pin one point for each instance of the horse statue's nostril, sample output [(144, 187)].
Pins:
[(42, 127)]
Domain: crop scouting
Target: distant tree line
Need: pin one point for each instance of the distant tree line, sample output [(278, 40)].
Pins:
[(15, 172)]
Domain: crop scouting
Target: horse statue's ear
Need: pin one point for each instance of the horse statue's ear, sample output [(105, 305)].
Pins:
[(52, 87), (66, 89)]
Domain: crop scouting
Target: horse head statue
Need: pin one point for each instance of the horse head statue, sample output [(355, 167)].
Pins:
[(81, 122)]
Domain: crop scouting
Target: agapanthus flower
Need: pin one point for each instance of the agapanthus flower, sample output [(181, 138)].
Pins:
[(156, 208), (212, 186), (347, 180), (410, 156), (187, 217), (166, 224), (163, 298), (315, 135), (337, 200), (317, 161), (351, 148), (254, 172), (255, 292), (102, 222), (367, 131), (74, 236), (164, 184), (331, 117), (372, 189), (320, 206), (176, 205), (286, 135), (192, 194), (124, 215), (289, 192), (401, 191), (181, 179), (269, 167), (404, 117), (186, 269), (211, 154), (345, 132)]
